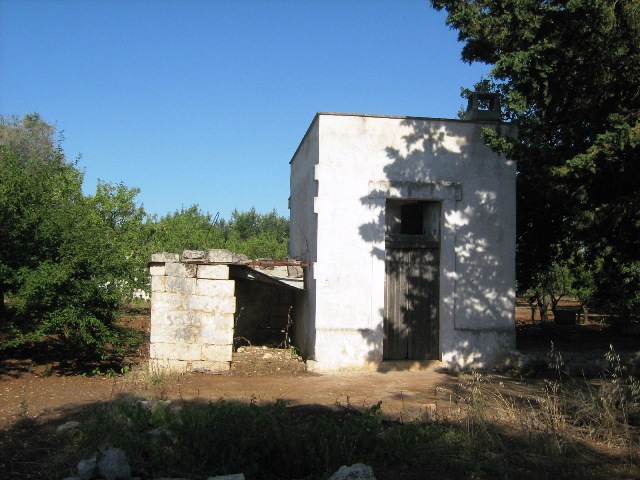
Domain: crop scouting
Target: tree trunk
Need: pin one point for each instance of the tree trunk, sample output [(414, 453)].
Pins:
[(543, 307), (532, 306)]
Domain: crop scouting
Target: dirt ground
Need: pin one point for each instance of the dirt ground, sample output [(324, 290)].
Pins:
[(40, 386), (258, 374), (50, 392)]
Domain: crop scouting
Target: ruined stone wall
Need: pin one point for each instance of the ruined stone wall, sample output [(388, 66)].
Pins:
[(192, 314)]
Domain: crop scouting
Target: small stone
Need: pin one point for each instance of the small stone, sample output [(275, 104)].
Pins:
[(157, 432), (113, 465), (294, 271), (357, 471), (88, 468), (66, 427), (267, 356), (235, 476)]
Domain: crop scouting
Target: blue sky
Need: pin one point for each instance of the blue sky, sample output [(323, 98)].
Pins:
[(205, 101)]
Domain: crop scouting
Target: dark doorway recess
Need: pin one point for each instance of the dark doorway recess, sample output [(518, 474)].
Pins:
[(412, 290)]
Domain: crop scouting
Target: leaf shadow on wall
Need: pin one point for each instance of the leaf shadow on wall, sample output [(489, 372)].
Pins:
[(469, 286)]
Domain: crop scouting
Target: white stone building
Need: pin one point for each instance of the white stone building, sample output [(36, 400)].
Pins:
[(408, 227)]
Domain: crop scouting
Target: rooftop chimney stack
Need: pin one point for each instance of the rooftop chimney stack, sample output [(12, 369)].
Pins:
[(483, 107)]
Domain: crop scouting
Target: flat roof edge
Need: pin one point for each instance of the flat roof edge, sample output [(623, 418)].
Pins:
[(315, 119), (397, 117)]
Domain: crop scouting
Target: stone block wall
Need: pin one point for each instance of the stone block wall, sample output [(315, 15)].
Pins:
[(192, 314)]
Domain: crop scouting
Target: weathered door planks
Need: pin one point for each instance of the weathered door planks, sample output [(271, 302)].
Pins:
[(411, 303)]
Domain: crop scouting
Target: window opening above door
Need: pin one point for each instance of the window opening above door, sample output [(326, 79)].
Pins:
[(413, 218)]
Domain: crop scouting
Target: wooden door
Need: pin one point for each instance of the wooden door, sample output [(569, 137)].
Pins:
[(412, 262), (411, 304)]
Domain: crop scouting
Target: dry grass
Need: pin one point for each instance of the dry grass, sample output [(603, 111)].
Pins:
[(572, 428)]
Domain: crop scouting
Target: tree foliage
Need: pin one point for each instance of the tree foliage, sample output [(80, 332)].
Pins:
[(251, 233), (569, 75), (56, 251), (125, 236), (68, 260)]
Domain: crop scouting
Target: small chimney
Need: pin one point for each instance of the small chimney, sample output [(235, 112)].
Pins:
[(483, 107)]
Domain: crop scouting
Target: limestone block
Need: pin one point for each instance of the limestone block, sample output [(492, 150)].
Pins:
[(175, 317), (181, 270), (225, 305), (175, 333), (177, 351), (212, 305), (158, 283), (215, 288), (165, 257), (193, 256), (156, 269), (220, 256), (216, 336), (180, 285), (198, 303), (159, 315), (209, 366), (217, 353), (214, 272), (160, 364), (220, 322), (225, 256), (166, 301)]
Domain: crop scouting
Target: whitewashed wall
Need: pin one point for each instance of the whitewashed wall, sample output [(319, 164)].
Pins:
[(303, 246), (341, 175)]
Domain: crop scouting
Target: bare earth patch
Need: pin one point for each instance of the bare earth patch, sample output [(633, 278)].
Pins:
[(38, 392), (261, 361)]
